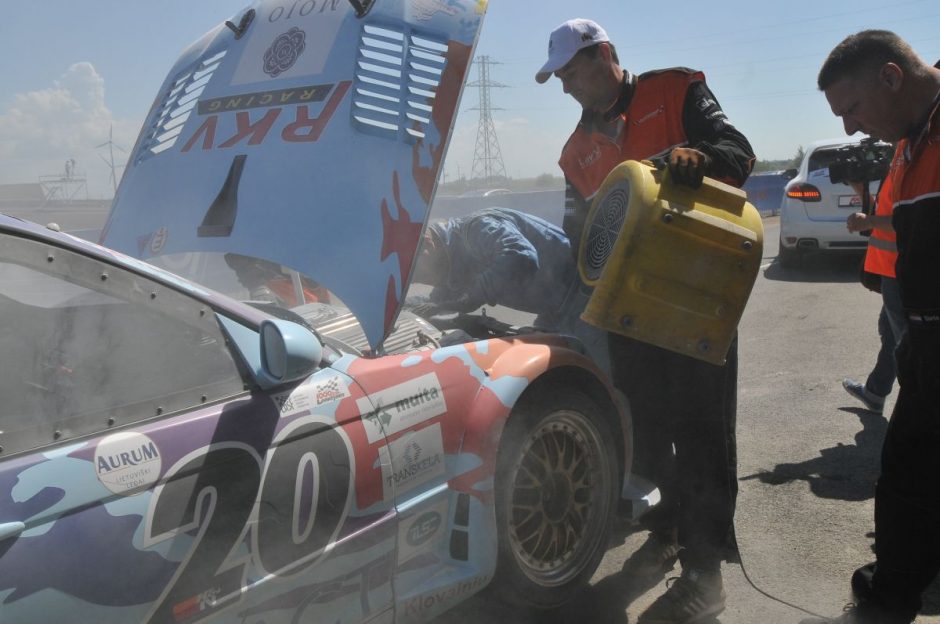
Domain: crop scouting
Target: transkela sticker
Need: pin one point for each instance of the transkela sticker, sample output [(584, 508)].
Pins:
[(416, 457), (127, 462)]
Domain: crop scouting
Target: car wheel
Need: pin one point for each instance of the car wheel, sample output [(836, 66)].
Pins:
[(556, 490), (789, 258)]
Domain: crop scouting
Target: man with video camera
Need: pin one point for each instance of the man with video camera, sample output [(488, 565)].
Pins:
[(876, 83), (857, 165)]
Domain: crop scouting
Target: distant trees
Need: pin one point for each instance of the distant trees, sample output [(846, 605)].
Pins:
[(542, 182), (547, 180), (780, 165)]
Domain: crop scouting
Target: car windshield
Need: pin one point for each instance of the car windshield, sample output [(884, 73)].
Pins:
[(822, 158), (247, 278)]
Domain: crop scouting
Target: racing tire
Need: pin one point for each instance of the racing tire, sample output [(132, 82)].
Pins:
[(556, 493)]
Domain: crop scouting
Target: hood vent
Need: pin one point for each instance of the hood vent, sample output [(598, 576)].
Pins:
[(177, 105), (397, 77)]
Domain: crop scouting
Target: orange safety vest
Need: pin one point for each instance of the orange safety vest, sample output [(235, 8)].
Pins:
[(915, 197), (651, 124), (882, 253)]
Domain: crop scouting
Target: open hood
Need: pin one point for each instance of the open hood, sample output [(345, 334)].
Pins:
[(308, 134)]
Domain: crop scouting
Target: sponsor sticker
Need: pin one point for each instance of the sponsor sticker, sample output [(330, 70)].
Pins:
[(307, 396), (424, 10), (195, 605), (706, 102), (284, 51), (417, 457), (332, 389), (437, 600), (422, 531), (158, 241), (127, 462), (402, 406), (290, 41), (650, 115), (591, 158), (261, 99)]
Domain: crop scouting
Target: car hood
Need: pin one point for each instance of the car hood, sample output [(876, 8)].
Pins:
[(309, 136)]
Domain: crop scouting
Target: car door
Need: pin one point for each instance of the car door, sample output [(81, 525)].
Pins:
[(419, 403), (141, 482)]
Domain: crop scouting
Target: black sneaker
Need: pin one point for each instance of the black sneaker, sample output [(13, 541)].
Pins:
[(871, 401), (657, 554), (692, 597)]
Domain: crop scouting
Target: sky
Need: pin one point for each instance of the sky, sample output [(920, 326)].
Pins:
[(77, 73)]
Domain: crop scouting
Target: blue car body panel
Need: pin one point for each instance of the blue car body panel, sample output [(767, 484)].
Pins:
[(258, 144)]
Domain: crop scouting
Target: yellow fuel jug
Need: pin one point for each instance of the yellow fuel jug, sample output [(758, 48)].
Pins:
[(670, 265)]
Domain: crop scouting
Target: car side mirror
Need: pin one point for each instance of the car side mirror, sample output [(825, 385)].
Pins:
[(789, 174), (289, 352)]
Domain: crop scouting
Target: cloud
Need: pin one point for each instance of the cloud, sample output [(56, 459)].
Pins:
[(40, 130)]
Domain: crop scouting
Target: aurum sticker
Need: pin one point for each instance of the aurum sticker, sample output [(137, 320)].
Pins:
[(127, 462)]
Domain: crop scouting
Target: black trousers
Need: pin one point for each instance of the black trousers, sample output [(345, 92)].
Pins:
[(907, 497), (684, 412)]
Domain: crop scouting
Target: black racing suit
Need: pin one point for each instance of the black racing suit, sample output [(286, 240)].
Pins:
[(677, 401), (907, 497)]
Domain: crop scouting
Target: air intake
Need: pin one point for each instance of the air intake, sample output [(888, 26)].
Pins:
[(397, 77), (607, 221), (177, 105)]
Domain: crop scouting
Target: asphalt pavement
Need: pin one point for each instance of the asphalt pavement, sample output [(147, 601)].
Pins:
[(807, 461)]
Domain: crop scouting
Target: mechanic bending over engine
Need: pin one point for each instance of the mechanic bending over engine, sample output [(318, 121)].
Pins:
[(499, 256), (877, 84), (676, 401)]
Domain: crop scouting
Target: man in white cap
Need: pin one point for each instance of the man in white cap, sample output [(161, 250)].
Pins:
[(684, 410)]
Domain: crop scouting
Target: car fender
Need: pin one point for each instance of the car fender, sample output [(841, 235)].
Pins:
[(516, 367)]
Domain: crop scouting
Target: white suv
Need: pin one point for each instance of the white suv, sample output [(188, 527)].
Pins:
[(813, 210)]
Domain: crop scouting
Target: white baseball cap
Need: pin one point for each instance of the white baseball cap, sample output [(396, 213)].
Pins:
[(566, 40)]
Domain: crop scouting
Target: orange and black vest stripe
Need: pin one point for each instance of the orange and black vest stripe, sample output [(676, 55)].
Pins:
[(915, 195), (650, 125)]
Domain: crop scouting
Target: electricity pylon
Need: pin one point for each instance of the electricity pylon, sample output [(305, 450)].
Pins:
[(110, 161), (487, 159)]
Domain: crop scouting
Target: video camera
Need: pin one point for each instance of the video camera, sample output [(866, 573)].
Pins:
[(865, 162)]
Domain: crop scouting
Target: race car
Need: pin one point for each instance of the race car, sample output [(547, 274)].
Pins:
[(172, 454)]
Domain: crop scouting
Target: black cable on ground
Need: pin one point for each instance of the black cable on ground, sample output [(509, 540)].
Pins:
[(760, 591)]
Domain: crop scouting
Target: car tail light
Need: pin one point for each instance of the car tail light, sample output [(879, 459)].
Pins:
[(804, 192)]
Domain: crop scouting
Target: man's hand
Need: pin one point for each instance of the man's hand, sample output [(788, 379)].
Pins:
[(426, 310), (687, 166), (429, 309), (858, 222)]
